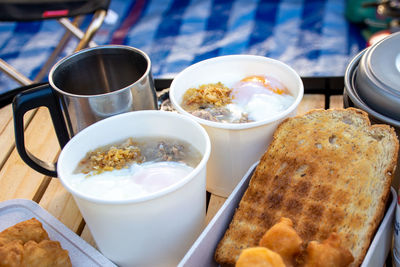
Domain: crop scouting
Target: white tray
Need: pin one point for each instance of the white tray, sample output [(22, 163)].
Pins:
[(202, 251), (80, 252)]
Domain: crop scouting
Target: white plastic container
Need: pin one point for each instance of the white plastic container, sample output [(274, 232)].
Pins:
[(396, 236), (80, 252), (396, 261), (154, 230), (235, 147), (203, 250)]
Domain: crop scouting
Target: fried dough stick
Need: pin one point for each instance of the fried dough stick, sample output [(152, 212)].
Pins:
[(329, 253), (47, 253), (259, 257), (27, 230), (284, 240), (27, 244), (11, 254)]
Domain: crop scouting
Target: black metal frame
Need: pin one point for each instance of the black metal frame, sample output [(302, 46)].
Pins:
[(327, 86)]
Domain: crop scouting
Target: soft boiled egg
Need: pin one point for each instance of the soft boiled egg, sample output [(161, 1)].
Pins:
[(259, 97), (136, 181), (269, 83)]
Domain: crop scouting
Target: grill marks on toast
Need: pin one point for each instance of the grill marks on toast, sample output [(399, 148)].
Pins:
[(321, 172)]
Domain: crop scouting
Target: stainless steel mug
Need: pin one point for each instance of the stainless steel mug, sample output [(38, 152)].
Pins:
[(83, 88)]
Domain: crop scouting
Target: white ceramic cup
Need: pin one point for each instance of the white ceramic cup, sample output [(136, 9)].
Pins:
[(235, 147), (154, 230)]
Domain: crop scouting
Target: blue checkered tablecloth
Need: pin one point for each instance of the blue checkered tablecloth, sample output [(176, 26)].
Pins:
[(312, 36)]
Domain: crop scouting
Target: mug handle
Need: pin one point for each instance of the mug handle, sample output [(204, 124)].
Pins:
[(38, 96)]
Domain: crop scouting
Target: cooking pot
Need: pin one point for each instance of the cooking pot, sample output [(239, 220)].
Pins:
[(372, 83)]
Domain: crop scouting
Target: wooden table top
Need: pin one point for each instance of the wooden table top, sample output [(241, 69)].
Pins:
[(17, 180)]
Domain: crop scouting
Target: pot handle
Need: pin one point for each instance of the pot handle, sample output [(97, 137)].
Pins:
[(39, 95)]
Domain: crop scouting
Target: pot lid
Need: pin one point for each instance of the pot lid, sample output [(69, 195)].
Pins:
[(351, 97), (383, 61), (377, 79)]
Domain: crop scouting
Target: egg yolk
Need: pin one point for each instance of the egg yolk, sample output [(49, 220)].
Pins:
[(265, 82)]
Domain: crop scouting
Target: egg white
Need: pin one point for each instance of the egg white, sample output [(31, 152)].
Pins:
[(258, 102)]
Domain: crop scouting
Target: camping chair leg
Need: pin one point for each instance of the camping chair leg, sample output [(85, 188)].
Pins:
[(13, 73), (97, 21), (23, 80), (72, 28), (56, 52), (85, 38)]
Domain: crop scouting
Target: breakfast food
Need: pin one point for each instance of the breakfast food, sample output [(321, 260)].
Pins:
[(282, 246), (284, 240), (259, 257), (253, 98), (46, 253), (110, 158), (27, 230), (215, 94), (28, 244), (328, 253), (134, 167), (328, 171)]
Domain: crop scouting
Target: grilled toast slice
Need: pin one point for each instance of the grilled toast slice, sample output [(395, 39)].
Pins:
[(328, 171)]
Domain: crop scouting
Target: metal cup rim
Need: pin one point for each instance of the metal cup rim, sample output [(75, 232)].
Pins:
[(101, 47)]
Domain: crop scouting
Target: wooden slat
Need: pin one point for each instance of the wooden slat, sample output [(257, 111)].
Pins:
[(87, 236), (336, 101), (17, 180), (311, 102), (7, 133), (5, 116), (7, 141), (213, 206), (60, 203)]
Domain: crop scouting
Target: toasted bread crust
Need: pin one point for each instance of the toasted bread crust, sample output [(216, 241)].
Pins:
[(328, 171)]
